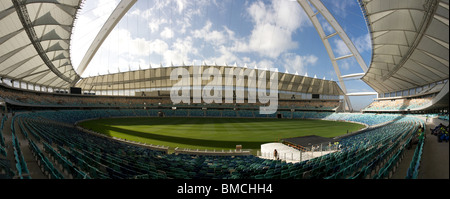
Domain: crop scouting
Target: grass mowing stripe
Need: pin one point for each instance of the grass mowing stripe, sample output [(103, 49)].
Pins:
[(215, 133)]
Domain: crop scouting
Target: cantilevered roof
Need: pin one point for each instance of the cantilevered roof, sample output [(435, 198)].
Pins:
[(35, 41), (159, 78), (410, 43)]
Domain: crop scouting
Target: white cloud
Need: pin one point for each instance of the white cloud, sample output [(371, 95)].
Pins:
[(296, 63), (183, 25), (363, 43), (328, 29), (225, 56), (340, 7), (208, 35), (266, 64), (180, 51), (154, 24), (134, 47), (271, 41), (128, 52), (290, 15), (341, 48), (167, 33), (105, 10), (181, 4), (345, 64), (274, 26), (271, 37)]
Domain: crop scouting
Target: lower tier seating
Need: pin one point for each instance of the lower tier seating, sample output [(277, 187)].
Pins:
[(66, 152)]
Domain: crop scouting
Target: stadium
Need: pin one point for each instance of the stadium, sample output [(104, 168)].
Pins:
[(202, 120)]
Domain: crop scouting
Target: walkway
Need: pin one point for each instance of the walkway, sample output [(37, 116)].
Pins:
[(434, 164), (33, 168), (435, 157)]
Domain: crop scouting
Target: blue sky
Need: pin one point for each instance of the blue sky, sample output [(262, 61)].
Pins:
[(261, 33)]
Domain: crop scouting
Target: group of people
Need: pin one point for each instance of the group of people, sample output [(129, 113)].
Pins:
[(441, 131)]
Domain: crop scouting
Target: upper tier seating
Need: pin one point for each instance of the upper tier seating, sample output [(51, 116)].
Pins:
[(26, 98), (397, 104)]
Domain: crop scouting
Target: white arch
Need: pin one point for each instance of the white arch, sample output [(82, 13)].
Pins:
[(321, 9), (121, 9)]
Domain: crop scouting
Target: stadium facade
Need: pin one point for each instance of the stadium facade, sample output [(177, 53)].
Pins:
[(157, 81), (408, 61)]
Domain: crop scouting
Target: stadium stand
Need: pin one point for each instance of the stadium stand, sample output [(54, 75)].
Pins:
[(398, 104), (65, 152), (38, 129), (413, 169), (2, 139), (53, 100), (443, 117)]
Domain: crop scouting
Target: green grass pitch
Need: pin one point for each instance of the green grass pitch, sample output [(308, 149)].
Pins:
[(215, 133)]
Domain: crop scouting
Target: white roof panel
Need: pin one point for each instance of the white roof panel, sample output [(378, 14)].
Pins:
[(142, 79), (410, 43), (37, 52)]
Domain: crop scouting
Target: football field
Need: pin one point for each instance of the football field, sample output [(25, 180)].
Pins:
[(215, 133)]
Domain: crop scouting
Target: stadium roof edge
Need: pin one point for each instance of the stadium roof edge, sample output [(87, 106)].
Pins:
[(35, 41), (147, 79), (410, 43)]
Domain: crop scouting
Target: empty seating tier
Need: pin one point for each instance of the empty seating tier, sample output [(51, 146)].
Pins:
[(66, 152)]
